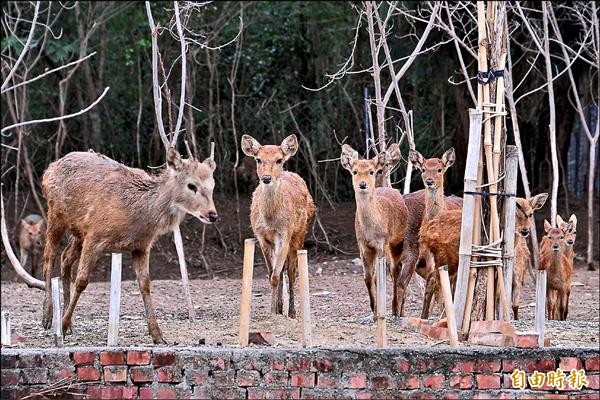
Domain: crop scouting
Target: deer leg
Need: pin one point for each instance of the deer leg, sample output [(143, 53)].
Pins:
[(369, 259), (292, 267), (23, 258), (398, 290), (89, 255), (566, 304), (280, 255), (430, 286), (68, 258), (53, 236), (140, 260)]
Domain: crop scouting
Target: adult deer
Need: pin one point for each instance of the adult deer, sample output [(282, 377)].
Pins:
[(280, 213), (106, 205), (381, 218), (31, 235)]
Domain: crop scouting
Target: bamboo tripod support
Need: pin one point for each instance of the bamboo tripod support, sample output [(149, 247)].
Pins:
[(380, 314)]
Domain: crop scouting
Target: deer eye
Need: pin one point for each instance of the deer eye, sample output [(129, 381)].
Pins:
[(371, 172), (354, 172), (30, 233), (439, 170), (258, 160), (192, 187), (279, 161), (380, 172), (562, 237)]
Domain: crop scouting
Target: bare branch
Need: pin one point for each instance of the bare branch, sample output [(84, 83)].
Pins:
[(183, 76)]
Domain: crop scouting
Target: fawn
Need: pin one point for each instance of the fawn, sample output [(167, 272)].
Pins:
[(570, 230), (281, 210), (523, 222), (108, 206), (31, 235), (559, 267), (381, 218)]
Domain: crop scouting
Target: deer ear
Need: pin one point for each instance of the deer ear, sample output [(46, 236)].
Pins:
[(416, 158), (560, 222), (394, 155), (349, 157), (547, 226), (210, 163), (381, 160), (448, 158), (289, 146), (174, 159), (250, 146), (573, 220), (538, 201)]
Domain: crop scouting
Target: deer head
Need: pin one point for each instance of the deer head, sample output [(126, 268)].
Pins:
[(556, 236), (35, 232), (524, 213), (569, 228), (432, 169), (364, 172), (269, 158)]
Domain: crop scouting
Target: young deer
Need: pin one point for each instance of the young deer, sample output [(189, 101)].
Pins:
[(380, 221), (570, 230), (108, 206), (280, 213), (31, 235), (559, 267), (523, 222)]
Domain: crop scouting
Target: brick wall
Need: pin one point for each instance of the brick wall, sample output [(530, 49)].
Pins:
[(167, 373)]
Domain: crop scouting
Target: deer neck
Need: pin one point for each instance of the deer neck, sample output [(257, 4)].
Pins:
[(163, 213), (368, 210), (434, 202), (272, 198)]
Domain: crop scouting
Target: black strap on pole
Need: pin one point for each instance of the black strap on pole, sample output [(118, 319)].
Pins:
[(485, 77)]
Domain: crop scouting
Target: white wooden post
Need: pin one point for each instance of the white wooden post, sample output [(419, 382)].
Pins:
[(381, 324), (447, 294), (184, 274), (304, 298), (247, 272), (6, 334), (510, 202), (57, 313), (540, 306), (115, 299)]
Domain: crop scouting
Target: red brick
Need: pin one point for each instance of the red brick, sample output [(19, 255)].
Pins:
[(464, 366), (488, 381), (357, 381), (324, 365), (142, 374), (451, 395), (163, 358), (33, 360), (224, 378), (439, 333), (277, 365), (526, 340), (112, 358), (542, 365), (276, 378), (146, 393), (491, 339), (168, 374), (228, 393), (137, 357), (381, 382), (488, 366), (496, 326), (261, 393), (364, 395), (569, 363), (327, 380), (58, 374), (88, 374), (9, 377), (411, 324), (112, 392), (593, 382), (248, 378), (403, 365), (84, 358), (196, 376), (433, 381), (409, 382), (299, 364), (116, 373), (461, 381), (592, 364), (201, 392), (166, 393), (302, 379)]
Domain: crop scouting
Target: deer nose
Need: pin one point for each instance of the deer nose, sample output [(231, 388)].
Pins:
[(212, 216), (38, 243), (524, 232), (266, 179), (362, 185), (570, 242), (555, 247), (429, 182)]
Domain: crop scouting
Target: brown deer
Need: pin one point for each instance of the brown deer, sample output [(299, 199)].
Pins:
[(559, 267), (31, 235), (381, 218), (570, 230), (523, 222), (281, 210), (108, 206)]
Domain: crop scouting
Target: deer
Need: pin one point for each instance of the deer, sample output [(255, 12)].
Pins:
[(281, 210), (559, 267), (523, 221), (31, 234), (106, 205), (380, 220)]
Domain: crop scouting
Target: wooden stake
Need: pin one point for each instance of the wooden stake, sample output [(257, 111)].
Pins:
[(381, 324), (469, 201), (247, 273), (57, 313), (540, 306), (184, 274), (115, 300), (466, 322), (6, 334), (304, 298), (450, 317), (510, 187)]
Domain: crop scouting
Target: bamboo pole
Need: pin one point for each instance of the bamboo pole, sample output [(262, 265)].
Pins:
[(512, 160), (467, 233), (56, 313), (450, 317), (540, 306), (247, 273), (304, 298), (381, 324), (6, 334), (115, 299)]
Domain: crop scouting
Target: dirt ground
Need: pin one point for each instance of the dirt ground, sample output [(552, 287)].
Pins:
[(339, 304)]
